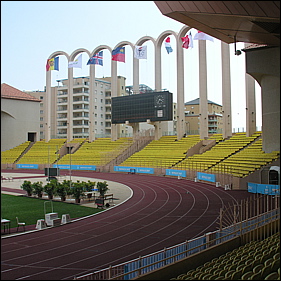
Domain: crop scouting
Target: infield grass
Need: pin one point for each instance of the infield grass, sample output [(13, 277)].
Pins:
[(31, 209)]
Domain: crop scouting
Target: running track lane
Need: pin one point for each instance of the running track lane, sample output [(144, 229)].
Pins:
[(161, 213)]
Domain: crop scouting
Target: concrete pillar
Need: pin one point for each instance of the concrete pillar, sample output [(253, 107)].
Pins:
[(264, 65), (270, 113), (180, 90), (91, 102), (136, 71), (158, 85), (203, 105), (226, 90), (113, 94), (47, 127), (70, 105), (250, 105), (136, 128)]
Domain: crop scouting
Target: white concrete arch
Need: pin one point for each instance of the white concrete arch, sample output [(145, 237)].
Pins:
[(92, 91), (183, 31), (114, 80), (180, 82), (158, 62), (77, 52), (48, 95), (58, 53), (144, 39), (100, 48), (70, 93)]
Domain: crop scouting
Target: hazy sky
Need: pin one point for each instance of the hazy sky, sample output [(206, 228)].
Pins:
[(32, 30)]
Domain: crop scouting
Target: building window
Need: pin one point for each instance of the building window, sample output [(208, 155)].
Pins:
[(41, 111), (41, 97)]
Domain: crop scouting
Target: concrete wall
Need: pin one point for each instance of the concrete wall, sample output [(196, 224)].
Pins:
[(18, 118)]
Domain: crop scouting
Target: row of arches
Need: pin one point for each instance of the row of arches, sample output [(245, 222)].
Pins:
[(157, 43)]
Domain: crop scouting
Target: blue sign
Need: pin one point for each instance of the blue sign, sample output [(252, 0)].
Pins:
[(75, 167), (270, 189), (176, 173), (206, 177), (27, 166), (140, 170), (252, 187)]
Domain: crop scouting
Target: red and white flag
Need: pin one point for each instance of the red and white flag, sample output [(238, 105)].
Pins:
[(203, 36), (187, 41)]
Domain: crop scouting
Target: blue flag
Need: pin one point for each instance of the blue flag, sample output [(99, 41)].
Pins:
[(96, 59)]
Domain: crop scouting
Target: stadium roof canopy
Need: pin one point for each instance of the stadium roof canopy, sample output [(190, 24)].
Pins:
[(229, 21)]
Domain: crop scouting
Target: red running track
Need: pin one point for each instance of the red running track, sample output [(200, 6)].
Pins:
[(161, 213)]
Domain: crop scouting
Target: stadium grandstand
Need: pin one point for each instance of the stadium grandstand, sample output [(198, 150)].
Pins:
[(246, 244)]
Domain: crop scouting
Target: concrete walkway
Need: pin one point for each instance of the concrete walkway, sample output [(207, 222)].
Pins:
[(12, 182), (11, 185)]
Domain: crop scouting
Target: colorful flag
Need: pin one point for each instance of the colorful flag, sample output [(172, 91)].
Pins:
[(52, 64), (203, 36), (118, 54), (190, 40), (77, 63), (168, 45), (96, 59), (141, 52), (187, 41)]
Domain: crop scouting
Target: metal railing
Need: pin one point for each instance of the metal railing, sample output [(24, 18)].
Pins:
[(154, 261)]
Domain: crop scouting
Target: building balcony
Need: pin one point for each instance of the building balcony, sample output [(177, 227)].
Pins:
[(81, 109)]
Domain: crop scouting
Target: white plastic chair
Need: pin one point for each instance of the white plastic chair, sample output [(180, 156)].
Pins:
[(20, 224)]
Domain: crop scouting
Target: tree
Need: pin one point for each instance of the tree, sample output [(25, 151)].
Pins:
[(50, 188), (89, 186), (38, 188), (63, 189), (27, 186), (77, 190), (102, 188)]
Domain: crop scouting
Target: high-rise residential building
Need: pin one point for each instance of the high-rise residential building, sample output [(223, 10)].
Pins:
[(81, 107)]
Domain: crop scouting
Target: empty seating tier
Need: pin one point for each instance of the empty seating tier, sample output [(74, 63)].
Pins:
[(222, 150), (165, 152), (255, 260), (42, 152), (99, 152), (11, 156)]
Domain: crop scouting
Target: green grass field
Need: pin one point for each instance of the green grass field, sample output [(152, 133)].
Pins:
[(30, 209)]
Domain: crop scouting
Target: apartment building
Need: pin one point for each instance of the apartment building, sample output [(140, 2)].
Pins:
[(80, 103), (192, 114)]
